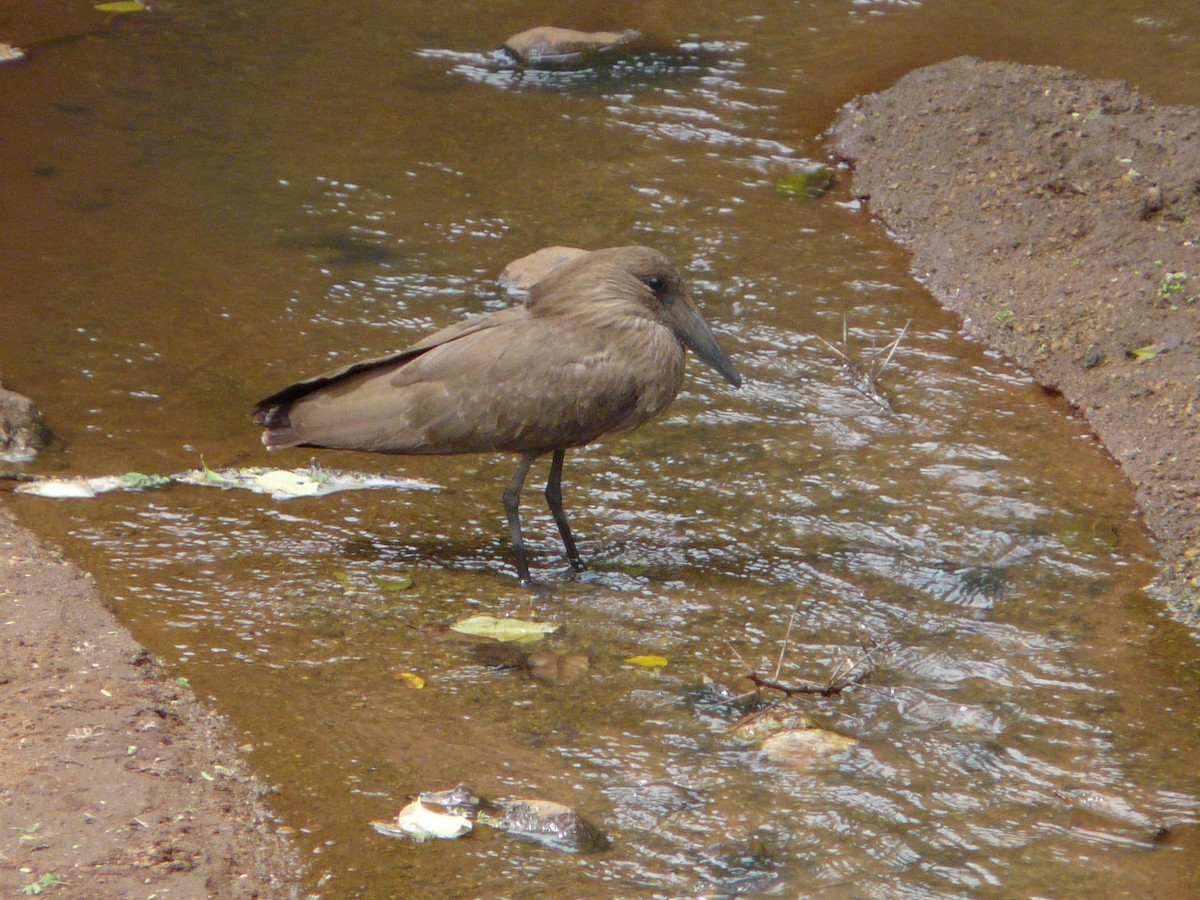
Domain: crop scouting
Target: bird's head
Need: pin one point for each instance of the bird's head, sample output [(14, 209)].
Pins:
[(644, 276)]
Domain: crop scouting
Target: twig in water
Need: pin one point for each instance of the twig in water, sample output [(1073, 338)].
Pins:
[(847, 674), (866, 382), (786, 637)]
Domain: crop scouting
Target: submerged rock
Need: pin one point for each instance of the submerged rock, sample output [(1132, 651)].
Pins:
[(22, 431), (549, 47), (552, 824), (801, 749), (549, 823), (789, 739)]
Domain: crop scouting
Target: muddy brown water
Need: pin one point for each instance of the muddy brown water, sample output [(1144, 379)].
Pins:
[(202, 203)]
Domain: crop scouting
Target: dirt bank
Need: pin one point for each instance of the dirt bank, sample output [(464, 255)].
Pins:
[(112, 777), (1060, 217)]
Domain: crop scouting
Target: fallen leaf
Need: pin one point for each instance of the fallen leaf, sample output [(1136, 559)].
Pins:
[(1145, 353), (808, 184), (392, 584), (124, 6), (647, 662), (410, 679), (516, 630)]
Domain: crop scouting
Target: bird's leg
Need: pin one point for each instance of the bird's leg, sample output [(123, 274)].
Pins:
[(554, 501), (512, 509)]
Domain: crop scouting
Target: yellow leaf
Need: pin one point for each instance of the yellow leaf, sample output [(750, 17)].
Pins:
[(647, 662), (125, 6), (411, 679)]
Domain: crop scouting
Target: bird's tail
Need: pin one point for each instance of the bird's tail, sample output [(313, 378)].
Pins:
[(275, 419)]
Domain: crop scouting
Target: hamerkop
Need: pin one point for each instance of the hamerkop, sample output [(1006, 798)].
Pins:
[(597, 347)]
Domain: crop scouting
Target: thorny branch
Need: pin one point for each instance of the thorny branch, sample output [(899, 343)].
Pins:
[(849, 672)]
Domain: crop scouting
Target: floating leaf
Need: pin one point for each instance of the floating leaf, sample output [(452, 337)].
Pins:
[(123, 6), (136, 481), (807, 184), (411, 679), (421, 823), (392, 584), (517, 630), (647, 662)]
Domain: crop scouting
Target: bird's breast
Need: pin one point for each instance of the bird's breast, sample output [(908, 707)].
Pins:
[(653, 359)]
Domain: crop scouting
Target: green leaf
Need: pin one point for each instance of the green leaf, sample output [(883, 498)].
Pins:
[(138, 481), (807, 184), (392, 584), (209, 474), (516, 630), (1145, 352), (125, 6)]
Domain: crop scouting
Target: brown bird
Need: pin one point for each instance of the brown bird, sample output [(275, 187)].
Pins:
[(597, 347)]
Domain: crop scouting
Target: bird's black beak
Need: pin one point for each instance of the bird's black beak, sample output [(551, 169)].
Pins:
[(689, 326)]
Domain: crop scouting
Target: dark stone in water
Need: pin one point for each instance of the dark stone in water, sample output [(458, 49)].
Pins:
[(552, 824), (22, 430), (549, 823)]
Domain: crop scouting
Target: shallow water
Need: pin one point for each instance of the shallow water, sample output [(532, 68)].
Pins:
[(202, 204)]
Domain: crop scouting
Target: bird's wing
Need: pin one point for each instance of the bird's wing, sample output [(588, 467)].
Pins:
[(273, 411), (526, 383)]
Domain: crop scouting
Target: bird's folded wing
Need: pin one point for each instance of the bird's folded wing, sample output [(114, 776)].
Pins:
[(526, 384)]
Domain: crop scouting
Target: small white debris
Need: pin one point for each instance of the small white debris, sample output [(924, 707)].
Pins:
[(421, 823)]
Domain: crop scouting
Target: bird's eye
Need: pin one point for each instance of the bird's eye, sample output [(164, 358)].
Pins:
[(656, 283)]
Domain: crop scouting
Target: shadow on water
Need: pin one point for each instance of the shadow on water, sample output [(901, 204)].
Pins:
[(228, 214)]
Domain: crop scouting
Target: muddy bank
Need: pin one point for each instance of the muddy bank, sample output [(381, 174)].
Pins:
[(114, 779), (1059, 216)]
